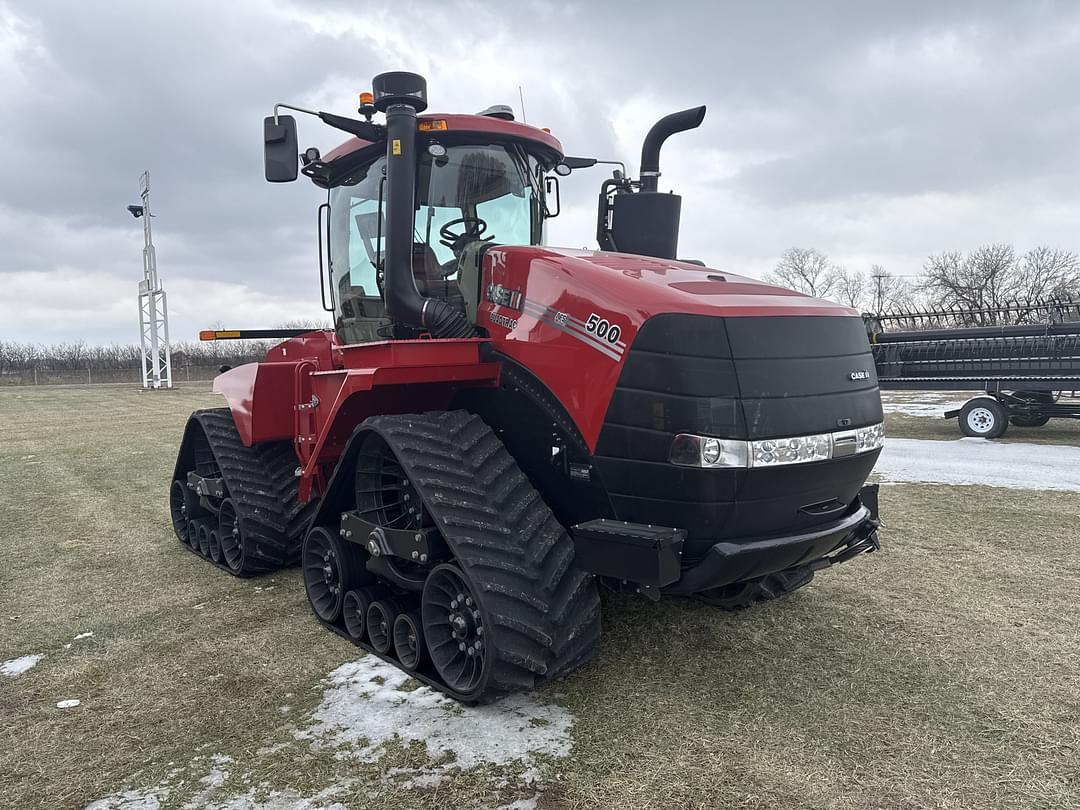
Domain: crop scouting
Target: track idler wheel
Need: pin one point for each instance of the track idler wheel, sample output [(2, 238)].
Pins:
[(453, 627), (232, 550), (354, 612), (178, 510), (332, 567), (409, 640), (381, 615)]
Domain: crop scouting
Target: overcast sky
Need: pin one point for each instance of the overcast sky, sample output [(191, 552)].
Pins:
[(875, 132)]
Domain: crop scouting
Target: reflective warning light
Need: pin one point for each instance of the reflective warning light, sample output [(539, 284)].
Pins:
[(366, 99), (208, 334), (429, 126)]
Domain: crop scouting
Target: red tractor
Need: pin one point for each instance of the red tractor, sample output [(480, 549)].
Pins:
[(494, 428)]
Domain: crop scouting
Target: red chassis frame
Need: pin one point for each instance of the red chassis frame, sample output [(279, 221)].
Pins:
[(314, 391)]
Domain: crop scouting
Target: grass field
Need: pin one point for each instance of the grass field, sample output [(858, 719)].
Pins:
[(942, 672)]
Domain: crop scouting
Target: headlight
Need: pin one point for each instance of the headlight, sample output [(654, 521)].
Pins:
[(688, 450), (774, 452), (870, 438)]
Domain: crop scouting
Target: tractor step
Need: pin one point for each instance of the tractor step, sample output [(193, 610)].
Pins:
[(631, 552)]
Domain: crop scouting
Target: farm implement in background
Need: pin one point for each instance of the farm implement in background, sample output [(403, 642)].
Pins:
[(1023, 357)]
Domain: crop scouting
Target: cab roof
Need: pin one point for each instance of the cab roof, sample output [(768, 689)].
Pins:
[(542, 142)]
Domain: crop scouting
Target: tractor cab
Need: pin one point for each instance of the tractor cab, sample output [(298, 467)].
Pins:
[(473, 190)]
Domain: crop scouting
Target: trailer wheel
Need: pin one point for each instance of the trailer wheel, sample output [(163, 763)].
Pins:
[(983, 418)]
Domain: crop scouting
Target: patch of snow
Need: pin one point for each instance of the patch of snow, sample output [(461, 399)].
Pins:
[(980, 462), (87, 634), (521, 804), (70, 703), (218, 775), (132, 800), (280, 800), (17, 666), (365, 708)]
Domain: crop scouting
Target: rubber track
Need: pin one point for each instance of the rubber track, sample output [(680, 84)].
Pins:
[(545, 611), (262, 483)]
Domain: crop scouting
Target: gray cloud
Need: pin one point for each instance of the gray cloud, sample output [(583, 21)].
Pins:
[(876, 132)]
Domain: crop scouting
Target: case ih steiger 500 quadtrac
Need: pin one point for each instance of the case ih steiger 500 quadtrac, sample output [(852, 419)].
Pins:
[(495, 427)]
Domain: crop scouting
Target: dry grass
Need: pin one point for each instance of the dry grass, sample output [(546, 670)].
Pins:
[(942, 672)]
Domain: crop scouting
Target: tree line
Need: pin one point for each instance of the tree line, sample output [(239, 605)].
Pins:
[(988, 277), (77, 355)]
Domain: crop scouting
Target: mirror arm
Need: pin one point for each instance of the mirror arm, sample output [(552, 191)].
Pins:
[(361, 129)]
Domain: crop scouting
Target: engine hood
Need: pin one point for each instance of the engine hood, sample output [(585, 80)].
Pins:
[(654, 286)]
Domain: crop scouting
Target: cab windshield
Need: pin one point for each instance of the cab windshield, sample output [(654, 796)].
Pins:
[(471, 192)]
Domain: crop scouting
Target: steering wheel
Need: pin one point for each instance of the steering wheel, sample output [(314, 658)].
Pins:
[(472, 228)]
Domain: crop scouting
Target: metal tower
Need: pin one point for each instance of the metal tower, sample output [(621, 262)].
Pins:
[(153, 311)]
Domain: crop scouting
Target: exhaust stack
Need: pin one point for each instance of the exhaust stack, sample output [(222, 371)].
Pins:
[(660, 132), (645, 221)]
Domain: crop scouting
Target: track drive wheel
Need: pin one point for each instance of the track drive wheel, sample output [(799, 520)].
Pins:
[(332, 567), (983, 418)]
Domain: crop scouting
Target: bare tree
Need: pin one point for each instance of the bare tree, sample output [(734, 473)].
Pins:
[(887, 291), (991, 277), (849, 287), (805, 270)]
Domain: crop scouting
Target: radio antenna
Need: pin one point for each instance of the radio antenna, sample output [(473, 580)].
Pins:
[(521, 96)]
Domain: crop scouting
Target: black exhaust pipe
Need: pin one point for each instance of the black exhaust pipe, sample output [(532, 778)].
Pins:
[(660, 132), (401, 96)]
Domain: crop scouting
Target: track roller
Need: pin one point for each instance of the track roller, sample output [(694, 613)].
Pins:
[(193, 535), (215, 545), (332, 566), (409, 640), (204, 539), (381, 615), (354, 612)]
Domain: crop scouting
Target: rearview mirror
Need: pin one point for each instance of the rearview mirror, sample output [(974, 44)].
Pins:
[(551, 192), (280, 152)]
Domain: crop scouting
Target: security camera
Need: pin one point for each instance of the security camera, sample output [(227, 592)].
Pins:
[(135, 210)]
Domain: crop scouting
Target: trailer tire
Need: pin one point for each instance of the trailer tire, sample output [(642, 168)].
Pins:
[(983, 418)]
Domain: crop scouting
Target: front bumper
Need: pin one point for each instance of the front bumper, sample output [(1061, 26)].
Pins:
[(837, 542), (648, 558)]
